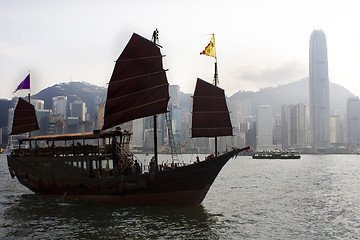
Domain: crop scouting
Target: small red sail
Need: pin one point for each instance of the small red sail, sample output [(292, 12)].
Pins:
[(210, 117), (138, 86), (24, 118)]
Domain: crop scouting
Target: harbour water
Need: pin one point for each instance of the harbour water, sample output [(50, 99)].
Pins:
[(315, 197)]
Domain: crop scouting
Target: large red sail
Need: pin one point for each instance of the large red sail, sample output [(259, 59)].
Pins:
[(24, 118), (210, 116), (138, 86)]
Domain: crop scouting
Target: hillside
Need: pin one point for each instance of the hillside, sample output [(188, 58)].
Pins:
[(292, 93), (90, 94)]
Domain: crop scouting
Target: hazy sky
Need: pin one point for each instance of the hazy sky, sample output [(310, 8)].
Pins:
[(260, 43)]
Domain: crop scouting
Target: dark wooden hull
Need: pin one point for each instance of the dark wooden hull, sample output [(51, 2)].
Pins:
[(183, 185)]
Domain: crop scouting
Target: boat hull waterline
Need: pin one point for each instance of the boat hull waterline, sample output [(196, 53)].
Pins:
[(183, 185)]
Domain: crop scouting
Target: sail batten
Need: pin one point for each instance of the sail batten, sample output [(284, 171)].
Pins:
[(138, 107), (138, 86), (140, 58), (210, 117), (24, 118), (135, 77), (138, 92)]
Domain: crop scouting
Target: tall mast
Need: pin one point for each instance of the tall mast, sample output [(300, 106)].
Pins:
[(30, 103), (216, 82), (29, 131), (155, 39), (210, 50)]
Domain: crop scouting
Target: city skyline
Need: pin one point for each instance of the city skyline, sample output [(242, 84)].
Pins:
[(259, 43), (289, 127)]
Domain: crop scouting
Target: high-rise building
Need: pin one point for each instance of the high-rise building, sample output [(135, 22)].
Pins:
[(175, 113), (353, 120), (264, 128), (137, 140), (335, 130), (100, 117), (78, 109), (43, 117), (60, 106), (174, 93), (38, 104), (277, 129), (293, 122), (319, 91)]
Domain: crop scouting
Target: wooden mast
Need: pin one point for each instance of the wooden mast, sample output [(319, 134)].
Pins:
[(155, 38), (29, 131), (215, 82), (30, 103)]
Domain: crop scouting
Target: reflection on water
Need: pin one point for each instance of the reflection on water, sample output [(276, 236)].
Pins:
[(39, 217), (315, 197)]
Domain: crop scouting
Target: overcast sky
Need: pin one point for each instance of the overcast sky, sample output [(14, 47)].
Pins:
[(260, 43)]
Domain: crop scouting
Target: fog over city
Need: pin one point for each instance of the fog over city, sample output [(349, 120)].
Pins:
[(259, 43)]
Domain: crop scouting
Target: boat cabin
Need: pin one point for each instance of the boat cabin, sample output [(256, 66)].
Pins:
[(97, 152), (74, 144)]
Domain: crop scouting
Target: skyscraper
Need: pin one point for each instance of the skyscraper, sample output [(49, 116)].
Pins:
[(78, 109), (60, 105), (319, 91), (293, 125), (264, 128), (353, 120)]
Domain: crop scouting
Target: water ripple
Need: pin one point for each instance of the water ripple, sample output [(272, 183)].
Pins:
[(315, 197)]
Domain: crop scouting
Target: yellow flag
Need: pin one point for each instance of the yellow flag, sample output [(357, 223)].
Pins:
[(210, 48)]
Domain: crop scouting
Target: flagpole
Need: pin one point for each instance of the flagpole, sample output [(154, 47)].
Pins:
[(25, 84), (29, 131), (216, 81), (30, 103), (210, 50)]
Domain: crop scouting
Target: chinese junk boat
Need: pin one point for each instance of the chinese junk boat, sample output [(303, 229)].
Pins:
[(98, 165)]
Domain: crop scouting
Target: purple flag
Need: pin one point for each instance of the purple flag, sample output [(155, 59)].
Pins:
[(24, 84)]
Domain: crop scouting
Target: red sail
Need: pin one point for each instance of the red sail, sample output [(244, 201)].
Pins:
[(24, 118), (138, 86), (210, 116)]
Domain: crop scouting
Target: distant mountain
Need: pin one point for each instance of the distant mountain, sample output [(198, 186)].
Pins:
[(292, 93), (90, 94)]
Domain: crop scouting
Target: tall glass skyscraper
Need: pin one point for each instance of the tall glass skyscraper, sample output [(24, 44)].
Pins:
[(264, 128), (319, 91), (293, 123), (353, 120)]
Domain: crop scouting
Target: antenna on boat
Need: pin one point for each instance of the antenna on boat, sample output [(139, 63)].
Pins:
[(155, 36), (216, 77)]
